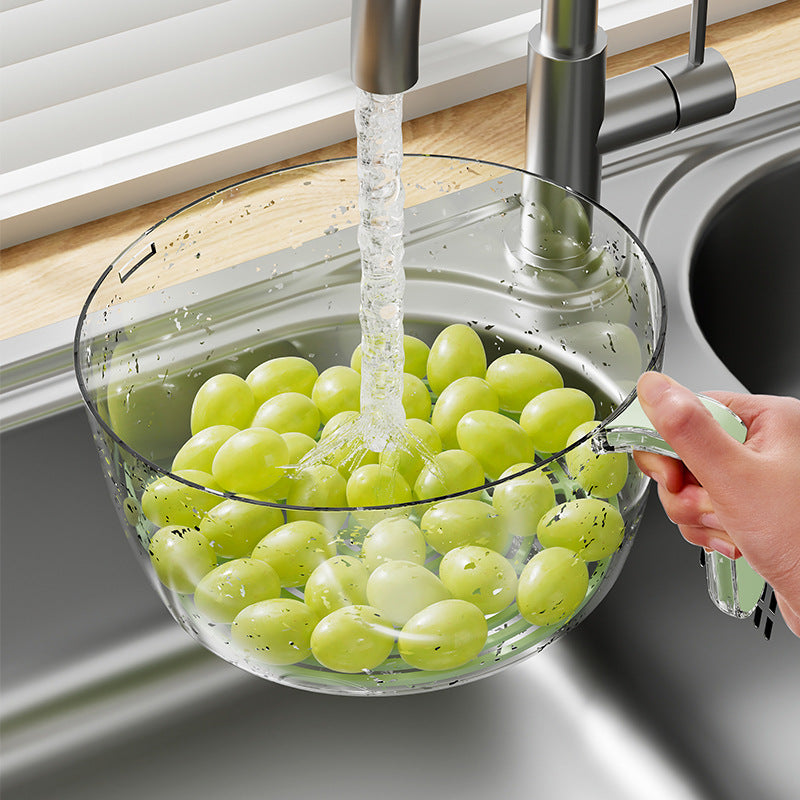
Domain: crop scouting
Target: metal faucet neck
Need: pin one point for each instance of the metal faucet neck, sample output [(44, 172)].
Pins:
[(566, 95), (574, 116), (568, 27)]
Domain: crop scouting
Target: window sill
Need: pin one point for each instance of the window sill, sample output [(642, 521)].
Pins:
[(73, 188)]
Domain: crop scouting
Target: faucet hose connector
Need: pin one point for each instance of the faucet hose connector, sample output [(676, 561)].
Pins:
[(384, 45), (653, 101)]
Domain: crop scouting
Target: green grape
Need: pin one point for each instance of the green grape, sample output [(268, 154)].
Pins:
[(199, 451), (416, 398), (298, 445), (276, 631), (518, 377), (415, 353), (445, 635), (295, 550), (224, 399), (522, 501), (234, 527), (449, 472), (424, 443), (131, 510), (181, 556), (399, 589), (347, 463), (337, 389), (393, 539), (612, 344), (341, 460), (459, 397), (480, 576), (251, 461), (318, 486), (284, 374), (340, 581), (599, 474), (550, 281), (377, 485), (169, 502), (288, 412), (496, 441), (552, 415), (335, 422), (352, 639), (592, 528), (595, 269), (558, 247), (231, 587), (463, 521), (552, 586), (456, 352), (539, 213), (149, 407), (571, 219)]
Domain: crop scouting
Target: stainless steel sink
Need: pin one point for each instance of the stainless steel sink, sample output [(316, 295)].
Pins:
[(656, 695), (745, 283)]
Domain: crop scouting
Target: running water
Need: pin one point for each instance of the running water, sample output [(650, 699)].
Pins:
[(380, 237), (380, 425)]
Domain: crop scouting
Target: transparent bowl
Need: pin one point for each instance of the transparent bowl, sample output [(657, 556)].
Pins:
[(269, 267)]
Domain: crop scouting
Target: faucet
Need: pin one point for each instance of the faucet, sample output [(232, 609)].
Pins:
[(573, 115)]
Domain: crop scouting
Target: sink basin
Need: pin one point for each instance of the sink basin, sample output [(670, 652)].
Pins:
[(656, 695), (745, 283)]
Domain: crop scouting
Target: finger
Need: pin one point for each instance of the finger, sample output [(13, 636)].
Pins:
[(790, 616), (689, 506), (688, 427), (748, 407), (667, 472), (710, 539), (692, 511)]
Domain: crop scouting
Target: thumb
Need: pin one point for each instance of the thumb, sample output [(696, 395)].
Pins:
[(707, 450)]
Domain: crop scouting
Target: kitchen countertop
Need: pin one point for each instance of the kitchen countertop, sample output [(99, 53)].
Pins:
[(46, 280)]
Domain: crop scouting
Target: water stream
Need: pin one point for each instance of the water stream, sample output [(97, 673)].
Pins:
[(380, 425), (380, 237)]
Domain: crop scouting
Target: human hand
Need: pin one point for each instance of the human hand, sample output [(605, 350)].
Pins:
[(737, 499)]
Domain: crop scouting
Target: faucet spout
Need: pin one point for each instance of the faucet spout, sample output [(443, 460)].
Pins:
[(384, 45)]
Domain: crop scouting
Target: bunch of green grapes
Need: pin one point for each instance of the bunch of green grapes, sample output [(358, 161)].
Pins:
[(296, 576)]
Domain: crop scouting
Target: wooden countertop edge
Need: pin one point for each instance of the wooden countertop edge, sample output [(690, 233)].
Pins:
[(47, 280)]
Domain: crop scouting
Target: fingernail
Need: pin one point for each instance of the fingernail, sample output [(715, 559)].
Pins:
[(711, 520), (652, 386), (724, 548)]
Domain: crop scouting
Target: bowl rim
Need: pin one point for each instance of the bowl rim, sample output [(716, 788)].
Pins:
[(654, 362)]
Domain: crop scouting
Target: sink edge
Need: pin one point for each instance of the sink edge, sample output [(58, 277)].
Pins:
[(669, 192)]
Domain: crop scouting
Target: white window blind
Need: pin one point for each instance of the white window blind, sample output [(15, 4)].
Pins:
[(104, 106)]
